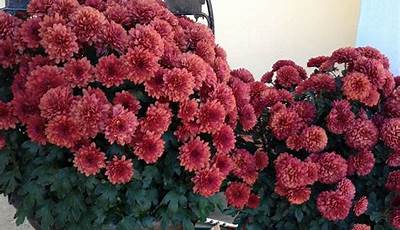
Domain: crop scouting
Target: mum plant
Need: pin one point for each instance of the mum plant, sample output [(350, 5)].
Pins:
[(333, 141), (117, 114)]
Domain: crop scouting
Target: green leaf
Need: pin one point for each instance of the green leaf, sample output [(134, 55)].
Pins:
[(107, 193), (150, 173), (298, 213), (46, 219), (172, 200)]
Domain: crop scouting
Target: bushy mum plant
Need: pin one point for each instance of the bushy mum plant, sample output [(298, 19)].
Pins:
[(333, 139), (118, 114)]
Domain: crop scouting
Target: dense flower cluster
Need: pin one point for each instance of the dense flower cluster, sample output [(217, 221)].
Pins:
[(92, 76)]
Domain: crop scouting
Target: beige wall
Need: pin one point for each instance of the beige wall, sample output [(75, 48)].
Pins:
[(256, 33)]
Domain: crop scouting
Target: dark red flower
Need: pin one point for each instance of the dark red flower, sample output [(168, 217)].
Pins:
[(362, 135), (224, 139), (36, 129), (188, 110), (127, 100), (119, 171), (7, 117), (332, 168), (247, 117), (361, 163), (254, 201), (148, 147), (178, 84), (111, 71), (361, 227), (394, 218), (347, 188), (224, 163), (262, 159), (157, 120), (243, 74), (390, 133), (146, 38), (89, 160), (55, 102), (79, 72), (317, 61), (285, 123), (63, 7), (287, 77), (3, 143), (29, 32), (333, 205), (394, 159), (142, 65), (393, 181), (315, 139), (207, 182), (63, 131), (42, 79), (340, 117), (245, 166), (87, 23), (237, 194), (194, 155), (121, 126), (211, 116), (361, 206)]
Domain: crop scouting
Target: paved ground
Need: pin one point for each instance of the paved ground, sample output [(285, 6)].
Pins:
[(7, 217)]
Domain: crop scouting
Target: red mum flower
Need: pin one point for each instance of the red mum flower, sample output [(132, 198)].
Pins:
[(254, 201), (79, 73), (127, 100), (89, 160), (362, 163), (262, 159), (394, 218), (211, 116), (206, 51), (44, 78), (223, 94), (246, 167), (295, 142), (207, 182), (29, 32), (155, 86), (36, 129), (306, 110), (187, 130), (392, 104), (362, 134), (372, 68), (394, 159), (243, 74), (8, 53), (148, 147), (142, 65), (25, 107), (164, 28), (317, 61), (332, 168), (114, 37), (48, 22), (361, 206), (347, 188), (361, 227), (64, 7), (346, 54), (121, 126), (196, 66), (284, 123), (224, 140), (119, 171), (87, 23), (7, 117), (333, 205), (340, 117), (320, 82), (315, 139), (247, 117), (146, 38), (188, 110), (356, 86), (117, 13), (63, 131), (59, 42), (224, 163), (39, 6), (158, 118), (287, 77), (55, 102), (267, 77), (241, 92), (91, 112), (111, 71), (179, 84), (3, 143), (295, 196), (221, 68), (194, 155), (237, 194), (8, 25), (390, 133), (280, 63), (393, 181)]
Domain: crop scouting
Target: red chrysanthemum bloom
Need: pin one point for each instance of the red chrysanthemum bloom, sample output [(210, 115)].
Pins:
[(39, 6), (295, 142), (29, 32), (306, 110), (224, 139), (390, 133), (148, 147), (36, 129), (237, 194), (164, 28), (221, 68), (87, 23), (372, 68), (55, 102), (285, 123), (295, 196), (206, 51), (247, 117), (347, 188), (8, 53), (59, 42), (224, 163), (196, 66), (287, 77), (179, 84), (117, 12), (361, 227), (127, 100), (394, 159), (158, 118), (262, 159), (121, 125), (119, 171), (25, 107), (333, 205), (188, 110), (393, 181), (7, 117), (361, 163), (3, 143), (187, 131), (267, 77), (344, 55), (63, 7), (245, 166), (315, 139), (114, 37), (146, 38), (372, 99), (79, 72), (254, 201), (356, 86), (243, 74), (361, 206), (44, 78), (142, 65), (111, 71), (194, 155), (362, 135), (8, 25), (320, 82), (241, 92), (394, 218), (280, 63), (155, 86), (89, 160), (317, 61), (392, 105), (207, 182), (340, 117), (48, 21), (223, 94), (332, 168), (63, 131), (91, 112), (211, 116)]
